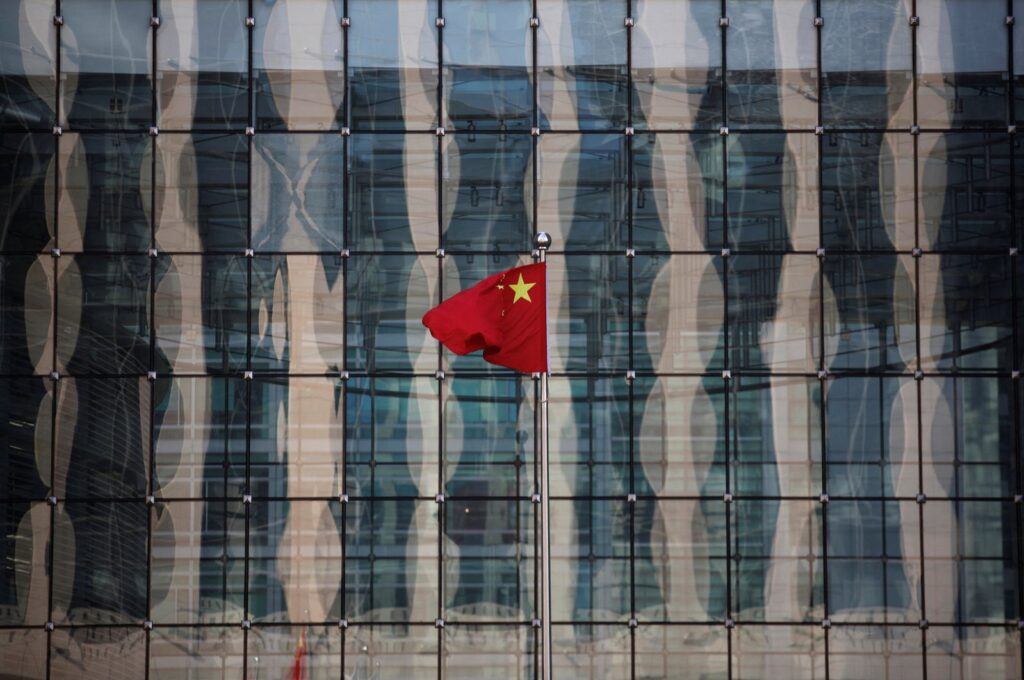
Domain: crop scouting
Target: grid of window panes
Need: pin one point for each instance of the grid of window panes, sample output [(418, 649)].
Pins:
[(785, 316)]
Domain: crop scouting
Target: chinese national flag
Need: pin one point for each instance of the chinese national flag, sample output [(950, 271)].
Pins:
[(505, 315), (298, 663)]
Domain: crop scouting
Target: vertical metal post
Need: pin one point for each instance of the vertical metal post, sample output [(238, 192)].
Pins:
[(542, 241)]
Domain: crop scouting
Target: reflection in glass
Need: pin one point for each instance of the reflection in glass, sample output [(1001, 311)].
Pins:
[(771, 52), (867, 198), (297, 193), (198, 562), (677, 61), (103, 315), (106, 53), (202, 189), (297, 61), (27, 171), (28, 47), (104, 201), (202, 64), (392, 199), (962, 60), (866, 63), (964, 190), (487, 54), (581, 65), (392, 64), (484, 192)]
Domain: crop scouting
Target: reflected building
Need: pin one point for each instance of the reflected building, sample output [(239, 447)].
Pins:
[(784, 313)]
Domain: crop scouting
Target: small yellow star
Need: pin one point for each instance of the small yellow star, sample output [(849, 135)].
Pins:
[(522, 290)]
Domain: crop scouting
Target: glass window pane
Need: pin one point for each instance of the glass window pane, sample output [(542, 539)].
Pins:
[(101, 571), (24, 568), (678, 311), (871, 436), (874, 571), (588, 308), (392, 64), (962, 63), (589, 437), (964, 190), (26, 313), (391, 562), (202, 190), (590, 560), (387, 297), (392, 199), (776, 426), (504, 651), (273, 651), (869, 312), (867, 192), (677, 191), (207, 653), (295, 564), (777, 565), (295, 445), (199, 431), (200, 317), (106, 50), (28, 48), (489, 437), (666, 652), (679, 436), (298, 313), (487, 202), (965, 312), (488, 50), (866, 651), (202, 64), (679, 564), (395, 652), (581, 65), (773, 185), (582, 202), (972, 652), (104, 203), (103, 314), (773, 312), (198, 562), (102, 440), (26, 185), (677, 62), (771, 58), (297, 61), (866, 63), (789, 651), (297, 193), (26, 408), (969, 560), (392, 433), (591, 651), (488, 563)]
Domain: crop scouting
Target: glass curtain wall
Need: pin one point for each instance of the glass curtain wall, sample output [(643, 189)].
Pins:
[(785, 301)]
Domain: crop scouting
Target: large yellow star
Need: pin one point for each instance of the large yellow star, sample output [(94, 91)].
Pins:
[(522, 290)]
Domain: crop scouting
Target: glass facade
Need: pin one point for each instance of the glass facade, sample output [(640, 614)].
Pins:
[(786, 330)]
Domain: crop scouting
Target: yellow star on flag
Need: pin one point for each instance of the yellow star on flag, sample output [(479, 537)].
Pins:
[(522, 290)]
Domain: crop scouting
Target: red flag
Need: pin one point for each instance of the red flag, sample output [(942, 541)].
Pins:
[(505, 315), (299, 662)]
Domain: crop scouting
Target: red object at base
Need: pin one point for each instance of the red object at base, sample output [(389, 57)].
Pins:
[(504, 315)]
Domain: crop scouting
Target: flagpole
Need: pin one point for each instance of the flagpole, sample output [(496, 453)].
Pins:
[(542, 241)]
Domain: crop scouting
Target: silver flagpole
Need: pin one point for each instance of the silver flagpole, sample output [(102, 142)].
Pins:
[(542, 241)]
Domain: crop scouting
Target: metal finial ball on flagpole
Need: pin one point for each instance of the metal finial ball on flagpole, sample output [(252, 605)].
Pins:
[(542, 240)]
